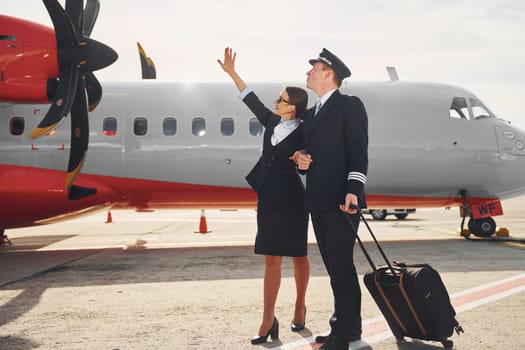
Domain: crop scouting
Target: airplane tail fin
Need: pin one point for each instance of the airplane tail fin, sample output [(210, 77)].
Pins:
[(148, 67)]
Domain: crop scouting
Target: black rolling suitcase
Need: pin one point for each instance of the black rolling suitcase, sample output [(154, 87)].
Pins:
[(412, 298)]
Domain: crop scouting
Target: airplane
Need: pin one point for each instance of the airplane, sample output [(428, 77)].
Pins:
[(164, 144)]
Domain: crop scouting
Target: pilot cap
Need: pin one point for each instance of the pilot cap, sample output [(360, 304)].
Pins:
[(340, 69)]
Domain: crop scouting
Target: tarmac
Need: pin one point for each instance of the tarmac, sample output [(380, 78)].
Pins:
[(147, 280)]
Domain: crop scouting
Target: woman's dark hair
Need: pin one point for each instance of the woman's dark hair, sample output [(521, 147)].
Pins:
[(298, 98)]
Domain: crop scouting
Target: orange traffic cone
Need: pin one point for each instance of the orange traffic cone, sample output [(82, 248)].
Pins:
[(110, 218), (203, 228)]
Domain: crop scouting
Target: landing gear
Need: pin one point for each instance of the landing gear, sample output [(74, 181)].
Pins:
[(482, 227)]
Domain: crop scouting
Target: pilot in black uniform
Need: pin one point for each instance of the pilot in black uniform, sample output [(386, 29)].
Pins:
[(336, 162)]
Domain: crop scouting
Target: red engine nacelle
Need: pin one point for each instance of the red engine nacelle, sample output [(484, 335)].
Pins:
[(28, 61)]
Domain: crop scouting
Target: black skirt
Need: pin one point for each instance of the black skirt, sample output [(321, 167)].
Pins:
[(282, 227)]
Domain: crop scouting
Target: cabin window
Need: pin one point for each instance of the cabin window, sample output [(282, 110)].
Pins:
[(479, 110), (256, 127), (169, 126), (459, 108), (109, 126), (227, 126), (140, 126), (198, 126), (17, 126)]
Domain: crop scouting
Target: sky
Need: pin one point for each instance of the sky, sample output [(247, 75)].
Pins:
[(476, 44)]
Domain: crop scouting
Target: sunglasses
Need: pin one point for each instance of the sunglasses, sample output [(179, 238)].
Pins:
[(281, 99)]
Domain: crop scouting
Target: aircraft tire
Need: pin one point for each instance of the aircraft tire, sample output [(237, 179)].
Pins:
[(482, 227)]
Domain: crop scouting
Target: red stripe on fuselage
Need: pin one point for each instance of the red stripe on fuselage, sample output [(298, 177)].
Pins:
[(30, 195), (34, 195)]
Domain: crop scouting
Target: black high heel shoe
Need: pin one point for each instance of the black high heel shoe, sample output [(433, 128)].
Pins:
[(273, 332), (296, 327)]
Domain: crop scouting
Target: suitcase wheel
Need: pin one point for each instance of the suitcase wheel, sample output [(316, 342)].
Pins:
[(448, 344)]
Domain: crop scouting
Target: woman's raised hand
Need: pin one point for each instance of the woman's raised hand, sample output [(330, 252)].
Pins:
[(229, 60)]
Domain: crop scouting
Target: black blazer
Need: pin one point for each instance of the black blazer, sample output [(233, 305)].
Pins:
[(337, 140), (275, 176)]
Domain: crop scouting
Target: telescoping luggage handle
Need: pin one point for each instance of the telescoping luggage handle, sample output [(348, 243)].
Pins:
[(370, 261)]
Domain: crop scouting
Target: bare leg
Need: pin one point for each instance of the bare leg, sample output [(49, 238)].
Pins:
[(301, 267), (272, 282)]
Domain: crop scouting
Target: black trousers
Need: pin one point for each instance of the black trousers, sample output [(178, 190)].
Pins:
[(336, 239)]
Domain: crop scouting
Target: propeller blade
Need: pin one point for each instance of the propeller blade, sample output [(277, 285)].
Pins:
[(94, 91), (69, 72), (75, 9), (79, 134), (62, 102), (64, 29), (90, 16)]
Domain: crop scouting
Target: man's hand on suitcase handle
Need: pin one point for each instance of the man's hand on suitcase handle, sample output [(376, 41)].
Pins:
[(350, 205)]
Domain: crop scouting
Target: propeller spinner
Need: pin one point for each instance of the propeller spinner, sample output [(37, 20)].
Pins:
[(78, 57)]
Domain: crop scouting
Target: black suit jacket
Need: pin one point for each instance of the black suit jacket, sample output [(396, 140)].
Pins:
[(337, 140), (275, 176)]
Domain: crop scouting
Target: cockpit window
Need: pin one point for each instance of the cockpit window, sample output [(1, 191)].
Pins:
[(459, 108), (479, 110)]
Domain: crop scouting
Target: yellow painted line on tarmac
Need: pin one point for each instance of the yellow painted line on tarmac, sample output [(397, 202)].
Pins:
[(376, 330), (515, 244)]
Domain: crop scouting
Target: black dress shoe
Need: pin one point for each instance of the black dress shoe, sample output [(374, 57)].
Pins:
[(273, 332), (335, 343), (296, 327), (322, 338)]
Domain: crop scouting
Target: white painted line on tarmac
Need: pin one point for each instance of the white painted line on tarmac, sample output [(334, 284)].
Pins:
[(490, 292), (376, 330)]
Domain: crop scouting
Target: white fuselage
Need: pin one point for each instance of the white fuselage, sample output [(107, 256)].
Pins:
[(416, 148)]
